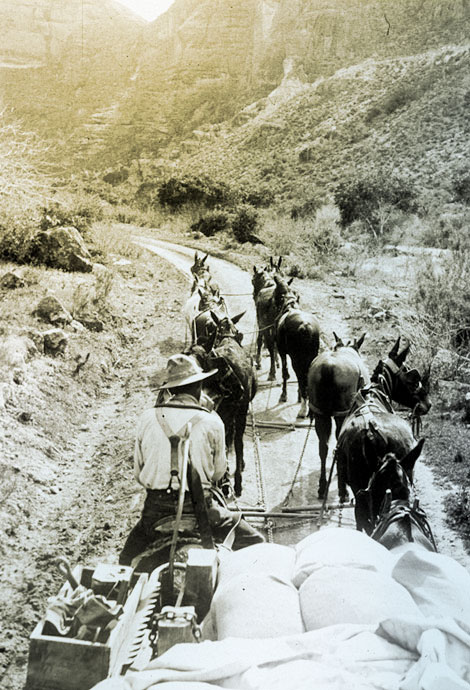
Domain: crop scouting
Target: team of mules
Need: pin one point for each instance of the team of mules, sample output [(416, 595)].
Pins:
[(216, 342), (375, 447)]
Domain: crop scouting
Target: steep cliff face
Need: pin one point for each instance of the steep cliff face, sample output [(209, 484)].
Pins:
[(328, 34), (63, 60)]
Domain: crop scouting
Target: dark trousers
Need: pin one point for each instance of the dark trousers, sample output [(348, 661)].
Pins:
[(159, 505)]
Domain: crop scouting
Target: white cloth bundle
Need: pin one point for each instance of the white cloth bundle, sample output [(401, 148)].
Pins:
[(335, 595), (256, 606), (438, 584), (259, 559), (338, 546)]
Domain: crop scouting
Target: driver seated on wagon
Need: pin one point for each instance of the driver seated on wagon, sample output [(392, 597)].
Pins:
[(158, 461)]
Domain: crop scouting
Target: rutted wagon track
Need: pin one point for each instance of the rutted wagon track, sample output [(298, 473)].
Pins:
[(282, 459), (281, 442)]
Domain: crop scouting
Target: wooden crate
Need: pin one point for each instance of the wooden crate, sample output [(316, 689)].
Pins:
[(62, 663)]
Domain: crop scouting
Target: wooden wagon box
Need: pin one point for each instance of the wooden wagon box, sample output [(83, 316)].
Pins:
[(64, 663)]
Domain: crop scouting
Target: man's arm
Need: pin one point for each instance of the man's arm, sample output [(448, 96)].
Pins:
[(218, 449)]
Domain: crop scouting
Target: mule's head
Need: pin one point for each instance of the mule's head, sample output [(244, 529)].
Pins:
[(226, 327), (262, 277), (392, 475), (284, 297), (354, 344), (199, 266), (404, 385)]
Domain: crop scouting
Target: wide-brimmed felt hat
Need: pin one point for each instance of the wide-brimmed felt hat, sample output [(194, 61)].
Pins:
[(183, 369)]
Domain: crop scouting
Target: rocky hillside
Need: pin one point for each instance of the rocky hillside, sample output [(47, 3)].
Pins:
[(109, 88), (62, 62), (407, 116), (204, 61)]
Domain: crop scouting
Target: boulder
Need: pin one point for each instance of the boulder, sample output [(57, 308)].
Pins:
[(52, 310), (55, 341), (61, 247), (92, 324), (10, 281)]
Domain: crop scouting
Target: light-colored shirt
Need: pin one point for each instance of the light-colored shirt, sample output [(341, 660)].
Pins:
[(152, 453)]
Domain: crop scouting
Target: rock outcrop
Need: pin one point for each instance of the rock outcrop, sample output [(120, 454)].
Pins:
[(61, 247), (50, 309)]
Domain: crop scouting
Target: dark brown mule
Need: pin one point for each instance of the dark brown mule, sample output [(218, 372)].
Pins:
[(358, 449), (204, 325), (402, 522), (233, 387), (393, 476), (263, 296), (297, 335), (334, 377)]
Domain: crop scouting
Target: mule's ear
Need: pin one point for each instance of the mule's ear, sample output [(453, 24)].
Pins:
[(339, 342), (289, 282), (408, 462), (402, 356), (236, 319), (394, 351), (271, 262), (196, 256), (204, 259), (279, 263), (215, 318), (358, 343)]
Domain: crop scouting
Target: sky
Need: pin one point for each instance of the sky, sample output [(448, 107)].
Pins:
[(148, 9)]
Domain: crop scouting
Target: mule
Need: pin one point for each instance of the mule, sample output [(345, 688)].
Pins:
[(297, 336), (402, 522), (191, 308), (233, 387), (357, 450), (393, 476), (334, 377), (199, 269), (263, 296), (203, 326)]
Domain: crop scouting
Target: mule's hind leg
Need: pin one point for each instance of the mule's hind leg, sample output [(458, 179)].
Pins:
[(323, 429), (259, 345), (240, 424), (285, 376), (341, 469), (272, 358)]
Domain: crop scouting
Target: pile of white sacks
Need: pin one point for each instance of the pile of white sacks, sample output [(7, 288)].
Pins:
[(337, 612)]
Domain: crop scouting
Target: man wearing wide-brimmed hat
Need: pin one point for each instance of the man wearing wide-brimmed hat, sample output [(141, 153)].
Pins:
[(157, 429)]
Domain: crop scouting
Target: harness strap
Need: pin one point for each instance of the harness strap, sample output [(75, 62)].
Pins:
[(175, 439)]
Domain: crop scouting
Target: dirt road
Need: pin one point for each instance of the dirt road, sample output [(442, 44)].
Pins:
[(281, 449)]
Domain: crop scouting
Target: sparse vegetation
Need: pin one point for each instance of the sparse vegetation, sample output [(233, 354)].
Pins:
[(212, 223), (374, 200), (442, 297)]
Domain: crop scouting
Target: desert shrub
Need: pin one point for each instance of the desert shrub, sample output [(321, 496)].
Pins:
[(76, 209), (308, 208), (212, 223), (372, 200), (461, 187), (398, 98), (108, 240), (245, 223), (16, 234), (176, 192), (259, 198), (441, 297), (448, 231)]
